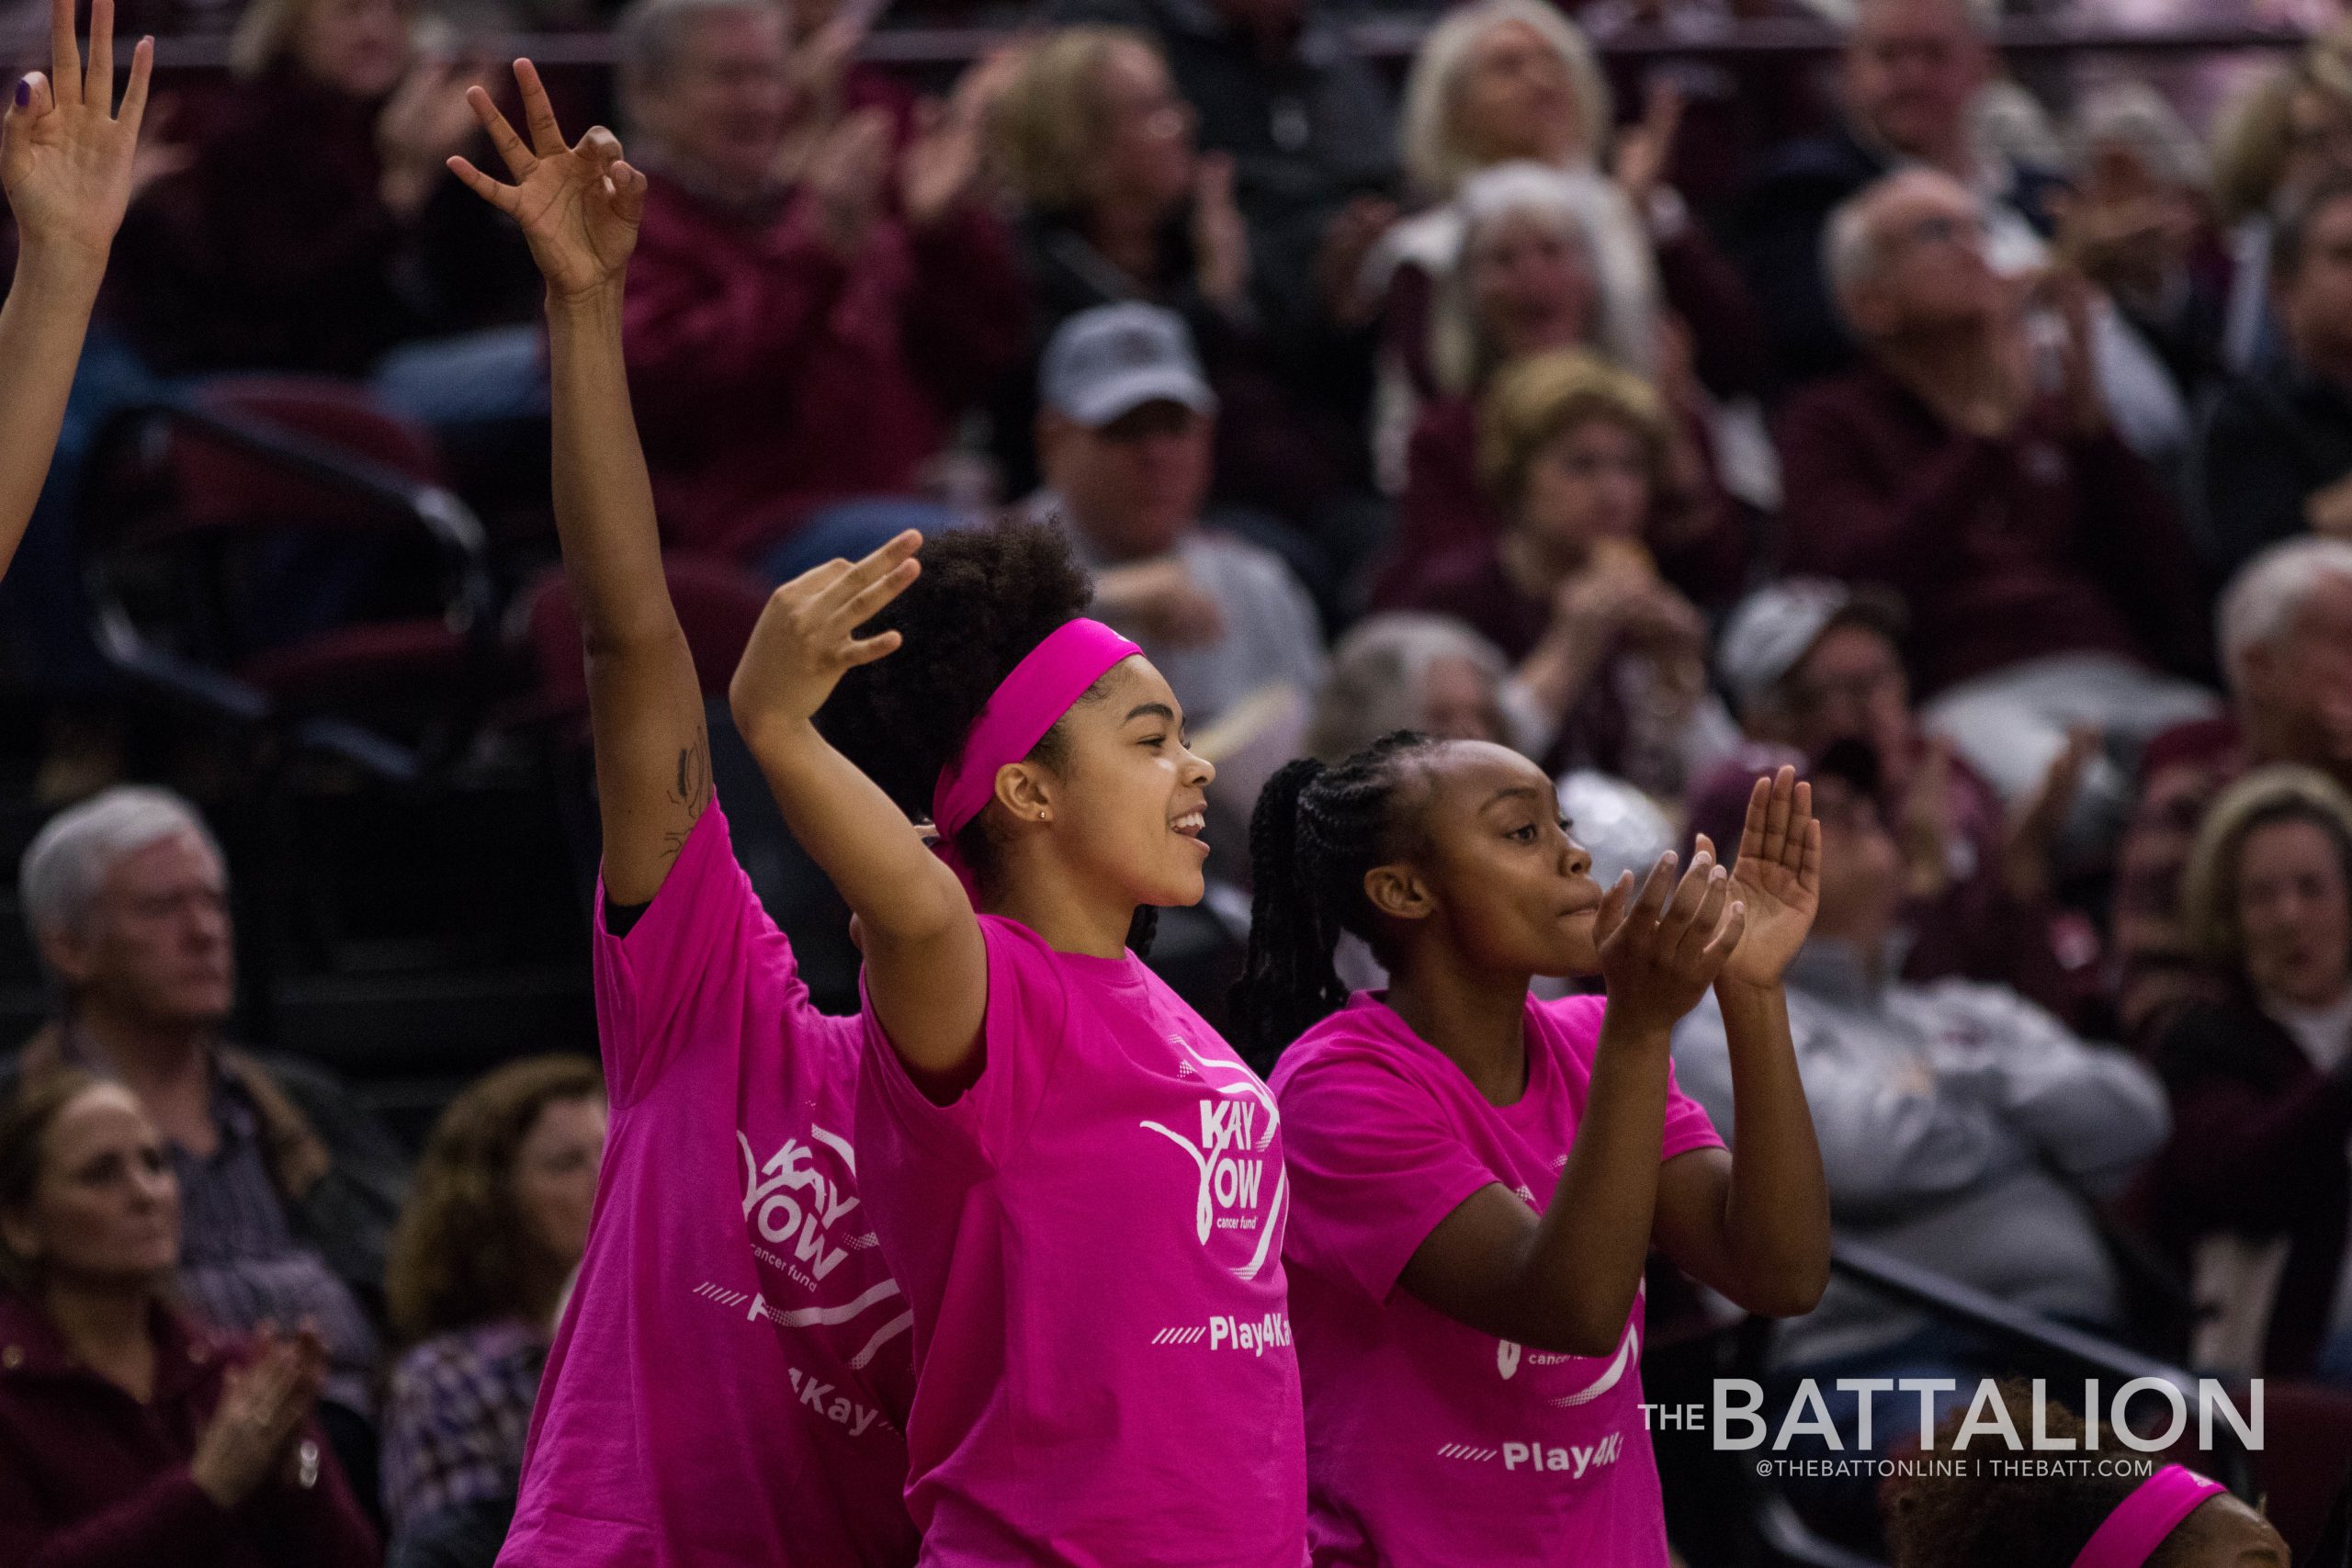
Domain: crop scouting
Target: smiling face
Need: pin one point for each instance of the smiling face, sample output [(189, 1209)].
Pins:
[(1932, 273), (1122, 797), (1494, 873), (2293, 912), (1514, 97), (106, 1207), (719, 106), (1530, 284)]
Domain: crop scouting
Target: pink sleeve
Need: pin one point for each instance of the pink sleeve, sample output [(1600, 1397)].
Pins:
[(1687, 1125), (1020, 1031), (1375, 1165), (702, 959)]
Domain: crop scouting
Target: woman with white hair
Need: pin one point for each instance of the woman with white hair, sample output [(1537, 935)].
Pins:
[(1545, 266), (1503, 81)]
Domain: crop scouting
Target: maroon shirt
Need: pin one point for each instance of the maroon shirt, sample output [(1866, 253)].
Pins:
[(1447, 522), (90, 1478), (769, 378), (2039, 543)]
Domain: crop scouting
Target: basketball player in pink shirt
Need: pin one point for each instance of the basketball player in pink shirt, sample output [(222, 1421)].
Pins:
[(729, 1383), (1078, 1183), (1479, 1175)]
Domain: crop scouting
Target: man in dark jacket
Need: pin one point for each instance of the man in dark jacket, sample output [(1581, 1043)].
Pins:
[(288, 1192), (2274, 456), (1912, 71)]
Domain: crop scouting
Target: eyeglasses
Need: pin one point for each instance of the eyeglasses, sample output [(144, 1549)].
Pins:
[(1942, 229)]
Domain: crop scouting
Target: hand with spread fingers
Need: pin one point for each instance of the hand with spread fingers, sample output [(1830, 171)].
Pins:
[(578, 206), (67, 153), (1777, 876)]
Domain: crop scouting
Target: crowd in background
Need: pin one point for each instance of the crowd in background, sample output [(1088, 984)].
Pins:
[(1993, 467)]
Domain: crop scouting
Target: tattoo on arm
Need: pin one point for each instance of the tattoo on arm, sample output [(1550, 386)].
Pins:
[(691, 791)]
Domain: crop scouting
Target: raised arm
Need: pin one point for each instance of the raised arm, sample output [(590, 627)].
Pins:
[(926, 968), (580, 206), (65, 161), (1754, 1224)]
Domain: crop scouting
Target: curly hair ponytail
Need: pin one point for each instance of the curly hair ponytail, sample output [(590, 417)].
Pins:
[(1315, 834)]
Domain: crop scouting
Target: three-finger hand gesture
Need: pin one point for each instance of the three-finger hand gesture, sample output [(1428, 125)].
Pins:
[(579, 205), (1777, 875), (807, 637), (1658, 955), (66, 154)]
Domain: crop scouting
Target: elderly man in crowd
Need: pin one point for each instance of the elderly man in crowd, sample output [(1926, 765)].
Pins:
[(287, 1190), (1809, 661), (797, 335), (2048, 579), (2286, 646), (2273, 457), (1959, 1127), (1914, 72), (1124, 436)]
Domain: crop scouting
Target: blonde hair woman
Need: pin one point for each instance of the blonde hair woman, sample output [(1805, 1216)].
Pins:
[(1513, 80), (2272, 147), (1572, 451), (2261, 1079)]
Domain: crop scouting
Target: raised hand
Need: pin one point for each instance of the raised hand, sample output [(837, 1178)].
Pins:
[(578, 206), (1777, 875), (942, 165), (807, 637), (1658, 955), (66, 154), (1220, 237)]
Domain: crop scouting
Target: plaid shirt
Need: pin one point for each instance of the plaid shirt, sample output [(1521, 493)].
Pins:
[(456, 1418)]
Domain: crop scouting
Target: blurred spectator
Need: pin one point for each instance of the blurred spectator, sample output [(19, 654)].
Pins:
[(1279, 88), (2255, 1191), (317, 229), (1405, 670), (129, 1436), (1539, 271), (1613, 658), (2286, 648), (287, 1188), (1808, 662), (2139, 225), (796, 341), (1959, 1124), (1514, 81), (1117, 207), (2272, 148), (2045, 573), (494, 1226), (1125, 434), (2274, 454), (1913, 74)]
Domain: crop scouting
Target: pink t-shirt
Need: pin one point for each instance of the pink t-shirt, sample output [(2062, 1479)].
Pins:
[(1430, 1442), (730, 1383), (1091, 1237)]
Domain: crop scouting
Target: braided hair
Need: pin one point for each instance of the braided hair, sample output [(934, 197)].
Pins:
[(986, 597), (1316, 833)]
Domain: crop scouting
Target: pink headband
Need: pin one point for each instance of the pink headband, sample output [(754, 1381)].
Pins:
[(1025, 704), (2130, 1535)]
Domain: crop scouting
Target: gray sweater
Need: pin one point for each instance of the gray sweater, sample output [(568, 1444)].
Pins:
[(1936, 1107)]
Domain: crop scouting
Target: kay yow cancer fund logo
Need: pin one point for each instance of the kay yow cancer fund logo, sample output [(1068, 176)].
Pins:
[(1240, 1180)]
